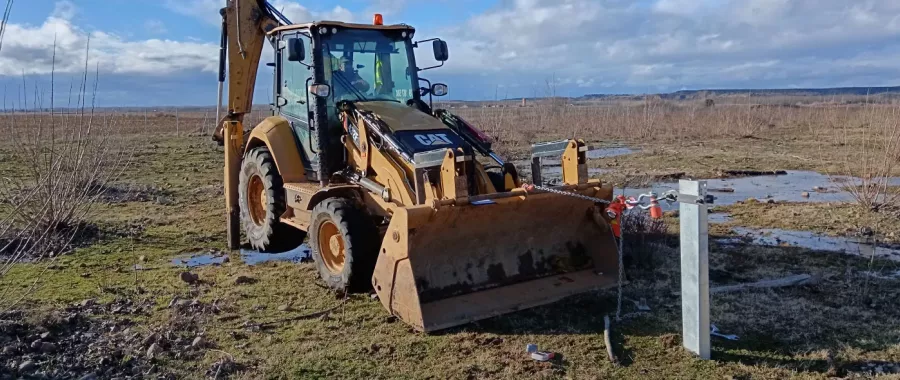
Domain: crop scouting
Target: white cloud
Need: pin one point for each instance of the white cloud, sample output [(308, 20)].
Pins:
[(64, 9), (586, 45), (30, 49), (208, 11), (681, 7), (681, 42), (299, 14)]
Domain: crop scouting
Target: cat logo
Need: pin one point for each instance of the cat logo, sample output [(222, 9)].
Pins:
[(433, 139)]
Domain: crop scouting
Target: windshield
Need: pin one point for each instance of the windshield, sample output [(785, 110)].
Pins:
[(368, 65)]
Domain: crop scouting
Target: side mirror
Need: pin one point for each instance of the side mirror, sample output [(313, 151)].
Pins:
[(320, 90), (296, 51), (441, 53), (439, 89)]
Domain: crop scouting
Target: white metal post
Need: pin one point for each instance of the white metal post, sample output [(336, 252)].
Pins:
[(694, 267)]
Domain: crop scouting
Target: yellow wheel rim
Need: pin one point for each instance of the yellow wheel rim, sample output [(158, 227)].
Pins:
[(331, 247), (257, 200)]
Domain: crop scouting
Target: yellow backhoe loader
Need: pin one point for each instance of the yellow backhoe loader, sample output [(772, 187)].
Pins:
[(393, 194)]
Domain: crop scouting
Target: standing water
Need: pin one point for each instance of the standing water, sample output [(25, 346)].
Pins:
[(805, 239), (249, 256)]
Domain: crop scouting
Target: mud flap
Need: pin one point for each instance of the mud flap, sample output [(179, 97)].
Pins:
[(444, 267)]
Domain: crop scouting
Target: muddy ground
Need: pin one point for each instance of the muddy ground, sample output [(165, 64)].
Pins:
[(121, 308)]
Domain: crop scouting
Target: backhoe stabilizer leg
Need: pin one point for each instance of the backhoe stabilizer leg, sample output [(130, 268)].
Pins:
[(234, 139)]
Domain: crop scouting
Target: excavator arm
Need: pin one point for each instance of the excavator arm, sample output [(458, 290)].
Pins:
[(245, 24)]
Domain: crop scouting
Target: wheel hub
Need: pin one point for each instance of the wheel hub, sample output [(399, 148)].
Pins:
[(257, 200), (331, 247)]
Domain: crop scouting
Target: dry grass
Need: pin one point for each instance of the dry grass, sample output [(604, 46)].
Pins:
[(689, 138), (834, 219), (808, 332)]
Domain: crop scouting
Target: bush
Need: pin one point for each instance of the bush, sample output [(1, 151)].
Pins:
[(64, 162)]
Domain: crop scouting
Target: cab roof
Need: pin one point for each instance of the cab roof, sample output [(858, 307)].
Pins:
[(341, 24)]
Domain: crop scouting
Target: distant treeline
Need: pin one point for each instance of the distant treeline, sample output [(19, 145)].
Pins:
[(702, 94)]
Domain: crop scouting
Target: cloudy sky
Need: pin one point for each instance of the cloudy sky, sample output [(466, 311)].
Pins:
[(164, 52)]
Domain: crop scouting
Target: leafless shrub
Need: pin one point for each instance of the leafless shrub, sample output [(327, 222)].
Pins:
[(875, 137), (63, 161), (642, 236)]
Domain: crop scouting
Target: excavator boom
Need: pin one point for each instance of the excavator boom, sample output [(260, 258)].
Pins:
[(244, 27), (247, 23)]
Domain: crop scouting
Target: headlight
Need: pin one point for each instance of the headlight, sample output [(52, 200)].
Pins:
[(333, 30), (323, 30)]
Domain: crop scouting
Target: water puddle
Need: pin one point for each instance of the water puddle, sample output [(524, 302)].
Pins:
[(248, 256), (296, 255), (609, 152), (795, 186), (813, 241), (200, 259), (719, 217), (883, 276)]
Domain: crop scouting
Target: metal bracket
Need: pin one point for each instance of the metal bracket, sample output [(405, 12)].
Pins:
[(549, 149), (553, 149), (706, 199), (429, 159), (691, 199)]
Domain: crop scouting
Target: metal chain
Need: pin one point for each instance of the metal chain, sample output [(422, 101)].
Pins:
[(570, 194)]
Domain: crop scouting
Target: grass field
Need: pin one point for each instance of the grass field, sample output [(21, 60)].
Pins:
[(117, 306)]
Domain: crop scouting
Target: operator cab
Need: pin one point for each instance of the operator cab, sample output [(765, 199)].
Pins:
[(321, 64)]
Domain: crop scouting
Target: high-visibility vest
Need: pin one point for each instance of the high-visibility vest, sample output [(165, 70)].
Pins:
[(378, 78)]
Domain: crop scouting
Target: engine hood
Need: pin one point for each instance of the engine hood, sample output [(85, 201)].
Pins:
[(400, 117), (415, 130)]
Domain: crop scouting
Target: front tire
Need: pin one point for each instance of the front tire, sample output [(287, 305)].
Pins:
[(344, 244), (261, 195)]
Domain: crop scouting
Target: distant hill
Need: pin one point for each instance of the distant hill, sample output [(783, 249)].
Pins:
[(699, 94)]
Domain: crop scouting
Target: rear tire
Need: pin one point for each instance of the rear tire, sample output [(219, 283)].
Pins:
[(261, 196), (344, 244)]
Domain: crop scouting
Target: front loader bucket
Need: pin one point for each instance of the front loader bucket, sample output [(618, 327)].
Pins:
[(451, 265)]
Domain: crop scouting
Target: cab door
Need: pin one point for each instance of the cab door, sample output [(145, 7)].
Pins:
[(293, 99)]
